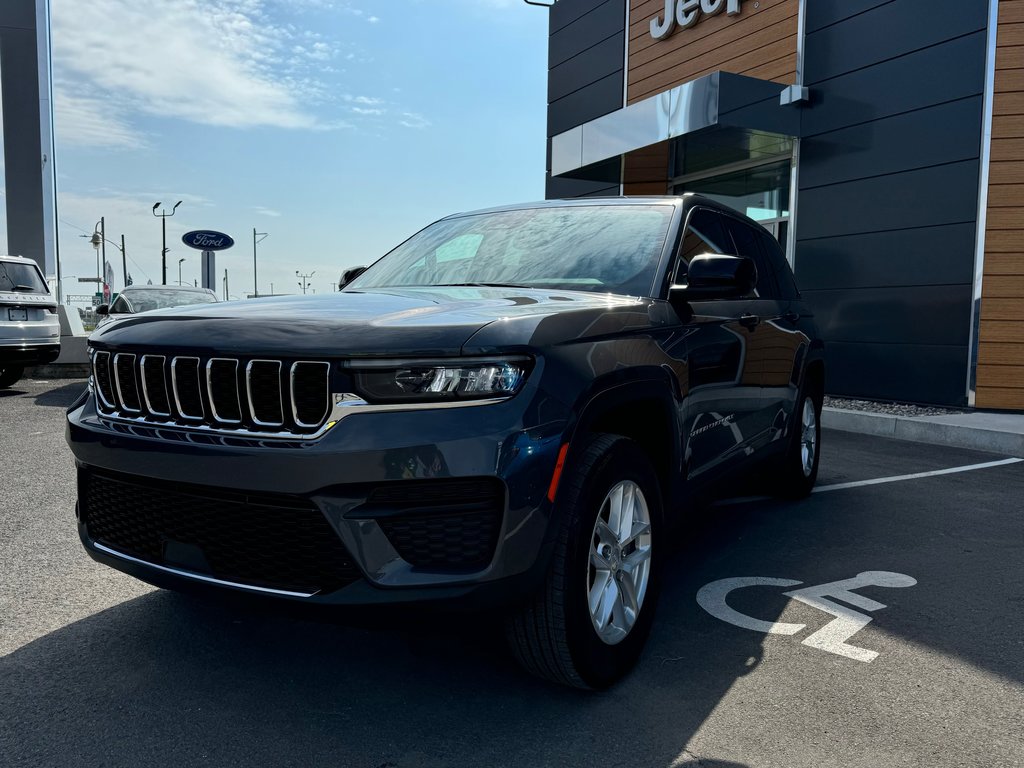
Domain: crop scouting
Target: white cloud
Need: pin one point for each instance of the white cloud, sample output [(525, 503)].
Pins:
[(266, 211), (81, 120), (213, 62), (367, 100), (414, 120)]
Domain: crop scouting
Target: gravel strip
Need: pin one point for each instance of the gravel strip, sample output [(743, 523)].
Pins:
[(891, 409)]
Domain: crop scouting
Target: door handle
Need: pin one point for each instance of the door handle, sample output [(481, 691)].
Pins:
[(750, 321), (791, 316)]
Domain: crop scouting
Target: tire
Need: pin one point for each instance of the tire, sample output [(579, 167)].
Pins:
[(554, 636), (9, 374), (799, 470)]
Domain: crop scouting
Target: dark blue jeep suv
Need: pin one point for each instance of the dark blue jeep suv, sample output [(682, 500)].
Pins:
[(510, 410)]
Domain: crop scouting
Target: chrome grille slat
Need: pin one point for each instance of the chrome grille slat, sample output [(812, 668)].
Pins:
[(155, 393), (104, 384), (265, 377), (189, 379), (303, 405), (125, 383), (223, 394)]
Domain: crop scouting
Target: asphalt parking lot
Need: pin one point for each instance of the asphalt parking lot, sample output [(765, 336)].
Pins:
[(98, 669)]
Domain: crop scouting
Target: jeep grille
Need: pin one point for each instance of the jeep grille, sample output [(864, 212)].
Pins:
[(223, 393)]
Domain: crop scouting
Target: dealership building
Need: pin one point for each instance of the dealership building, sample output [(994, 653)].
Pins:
[(881, 141)]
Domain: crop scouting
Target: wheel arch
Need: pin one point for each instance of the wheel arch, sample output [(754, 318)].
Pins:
[(645, 411)]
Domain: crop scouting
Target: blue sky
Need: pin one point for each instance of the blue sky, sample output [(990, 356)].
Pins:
[(340, 127)]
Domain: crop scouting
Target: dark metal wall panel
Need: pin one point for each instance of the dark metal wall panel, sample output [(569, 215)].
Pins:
[(888, 197), (822, 13), (912, 140), (564, 12), (954, 70), (867, 39), (586, 68), (586, 104), (931, 315), (914, 373), (558, 188), (923, 256), (945, 194), (586, 59), (604, 20)]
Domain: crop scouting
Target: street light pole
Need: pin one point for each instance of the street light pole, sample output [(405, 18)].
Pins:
[(163, 231), (255, 282), (180, 262), (305, 280)]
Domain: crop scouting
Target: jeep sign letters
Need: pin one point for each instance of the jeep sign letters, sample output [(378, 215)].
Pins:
[(686, 13)]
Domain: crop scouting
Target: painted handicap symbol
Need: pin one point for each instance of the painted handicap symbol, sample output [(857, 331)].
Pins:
[(833, 636)]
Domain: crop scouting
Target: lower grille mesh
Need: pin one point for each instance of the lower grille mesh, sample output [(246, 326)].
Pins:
[(440, 523), (276, 543)]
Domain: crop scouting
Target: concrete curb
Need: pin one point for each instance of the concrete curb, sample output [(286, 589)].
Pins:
[(925, 429)]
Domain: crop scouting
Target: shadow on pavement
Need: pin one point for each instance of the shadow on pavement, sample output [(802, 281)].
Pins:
[(165, 679), (62, 396)]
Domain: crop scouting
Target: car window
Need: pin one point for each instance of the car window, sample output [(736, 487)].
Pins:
[(747, 242), (21, 278), (120, 306), (704, 234), (775, 261)]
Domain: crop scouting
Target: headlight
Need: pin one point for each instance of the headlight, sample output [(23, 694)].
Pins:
[(410, 381)]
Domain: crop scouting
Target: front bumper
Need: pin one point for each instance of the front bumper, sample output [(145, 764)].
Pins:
[(337, 478)]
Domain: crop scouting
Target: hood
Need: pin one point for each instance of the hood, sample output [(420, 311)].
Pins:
[(387, 322)]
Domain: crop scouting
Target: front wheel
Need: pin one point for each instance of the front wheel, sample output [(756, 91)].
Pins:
[(587, 625), (9, 374)]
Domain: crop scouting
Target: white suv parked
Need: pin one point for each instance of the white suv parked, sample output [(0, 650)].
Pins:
[(29, 326)]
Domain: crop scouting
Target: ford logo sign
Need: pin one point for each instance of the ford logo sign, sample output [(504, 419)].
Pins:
[(207, 240)]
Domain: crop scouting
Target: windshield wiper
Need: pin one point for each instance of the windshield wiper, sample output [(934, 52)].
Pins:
[(21, 287)]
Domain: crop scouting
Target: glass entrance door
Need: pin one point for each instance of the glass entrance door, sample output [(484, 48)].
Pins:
[(761, 191)]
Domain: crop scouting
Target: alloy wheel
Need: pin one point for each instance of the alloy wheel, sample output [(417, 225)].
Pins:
[(619, 566)]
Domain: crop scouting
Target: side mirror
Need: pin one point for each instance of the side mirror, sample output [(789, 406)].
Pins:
[(103, 309), (349, 275), (715, 276)]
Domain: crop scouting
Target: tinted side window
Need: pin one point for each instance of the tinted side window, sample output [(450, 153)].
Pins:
[(775, 260), (747, 243), (704, 234)]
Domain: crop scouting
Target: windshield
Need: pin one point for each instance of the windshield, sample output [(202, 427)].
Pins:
[(607, 248), (156, 298), (21, 278)]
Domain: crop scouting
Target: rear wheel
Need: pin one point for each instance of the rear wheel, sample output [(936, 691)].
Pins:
[(587, 625), (9, 374), (800, 464)]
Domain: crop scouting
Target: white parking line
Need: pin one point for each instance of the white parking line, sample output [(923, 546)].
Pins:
[(876, 481), (916, 475)]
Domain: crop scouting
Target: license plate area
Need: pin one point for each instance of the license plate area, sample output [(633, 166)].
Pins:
[(17, 315)]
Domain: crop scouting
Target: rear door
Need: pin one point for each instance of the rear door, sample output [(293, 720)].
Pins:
[(773, 339)]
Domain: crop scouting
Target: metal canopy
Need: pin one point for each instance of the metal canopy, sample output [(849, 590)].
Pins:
[(718, 100)]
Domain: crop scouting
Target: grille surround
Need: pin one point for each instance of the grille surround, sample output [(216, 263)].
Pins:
[(265, 542), (287, 399)]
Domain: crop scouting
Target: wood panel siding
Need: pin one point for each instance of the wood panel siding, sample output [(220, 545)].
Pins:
[(645, 171), (759, 42), (1000, 382)]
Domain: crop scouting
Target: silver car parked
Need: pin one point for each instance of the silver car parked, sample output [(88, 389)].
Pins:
[(29, 326)]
